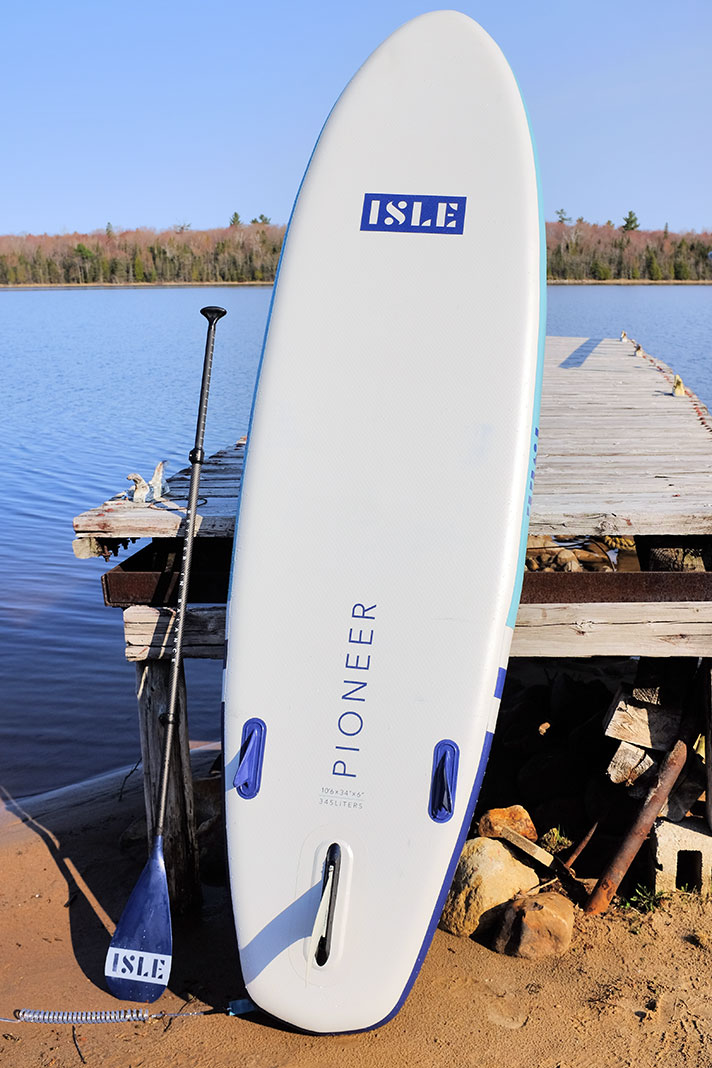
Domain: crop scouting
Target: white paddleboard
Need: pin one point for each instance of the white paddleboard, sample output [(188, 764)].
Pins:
[(381, 526)]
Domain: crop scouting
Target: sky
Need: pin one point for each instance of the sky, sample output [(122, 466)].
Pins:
[(161, 114)]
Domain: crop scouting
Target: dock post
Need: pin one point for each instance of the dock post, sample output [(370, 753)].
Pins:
[(180, 841)]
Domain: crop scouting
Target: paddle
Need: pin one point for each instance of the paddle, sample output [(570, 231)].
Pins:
[(138, 963)]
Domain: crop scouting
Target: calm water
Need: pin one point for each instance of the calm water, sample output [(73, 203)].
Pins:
[(671, 322), (98, 383)]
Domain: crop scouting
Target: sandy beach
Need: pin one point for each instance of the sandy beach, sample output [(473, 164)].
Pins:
[(634, 989)]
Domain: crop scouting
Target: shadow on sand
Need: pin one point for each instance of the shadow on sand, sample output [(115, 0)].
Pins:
[(81, 829)]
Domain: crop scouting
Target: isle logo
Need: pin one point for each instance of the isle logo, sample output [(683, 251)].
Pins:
[(138, 966), (405, 213)]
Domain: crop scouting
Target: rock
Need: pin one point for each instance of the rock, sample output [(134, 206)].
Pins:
[(207, 798), (135, 834), (487, 876), (566, 561), (539, 926), (515, 817), (209, 822), (211, 851), (676, 559), (594, 561)]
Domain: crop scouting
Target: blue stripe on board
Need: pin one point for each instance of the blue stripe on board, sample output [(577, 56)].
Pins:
[(578, 357), (517, 588), (499, 687)]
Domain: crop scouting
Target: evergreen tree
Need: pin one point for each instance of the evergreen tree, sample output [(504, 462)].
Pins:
[(235, 219), (630, 222), (652, 267), (600, 271)]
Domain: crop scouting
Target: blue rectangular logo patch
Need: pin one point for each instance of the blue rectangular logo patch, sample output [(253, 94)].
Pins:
[(411, 213)]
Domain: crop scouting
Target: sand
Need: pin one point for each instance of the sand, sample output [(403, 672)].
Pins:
[(634, 989)]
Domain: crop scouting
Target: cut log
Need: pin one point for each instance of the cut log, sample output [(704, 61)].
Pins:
[(629, 763), (641, 724)]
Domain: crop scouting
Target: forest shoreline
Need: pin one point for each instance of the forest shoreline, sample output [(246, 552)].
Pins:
[(629, 281), (580, 252), (132, 285), (269, 284)]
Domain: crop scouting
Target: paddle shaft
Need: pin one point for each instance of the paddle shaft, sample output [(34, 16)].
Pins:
[(196, 458)]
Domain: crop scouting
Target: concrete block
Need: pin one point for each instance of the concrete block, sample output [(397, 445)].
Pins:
[(682, 855)]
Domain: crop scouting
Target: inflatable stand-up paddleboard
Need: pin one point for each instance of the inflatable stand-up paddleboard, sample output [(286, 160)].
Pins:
[(382, 524)]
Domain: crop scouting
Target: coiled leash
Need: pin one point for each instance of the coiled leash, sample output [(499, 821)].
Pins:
[(239, 1007)]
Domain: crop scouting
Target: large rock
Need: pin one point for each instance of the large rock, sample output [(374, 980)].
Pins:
[(539, 926), (514, 817), (487, 876)]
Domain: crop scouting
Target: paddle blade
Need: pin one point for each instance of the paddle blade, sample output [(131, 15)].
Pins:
[(138, 964)]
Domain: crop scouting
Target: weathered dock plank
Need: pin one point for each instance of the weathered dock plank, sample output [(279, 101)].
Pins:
[(619, 452), (569, 630)]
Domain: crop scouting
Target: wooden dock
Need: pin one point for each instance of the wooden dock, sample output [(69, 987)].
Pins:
[(620, 454)]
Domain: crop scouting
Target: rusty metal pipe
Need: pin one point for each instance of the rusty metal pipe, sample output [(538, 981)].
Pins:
[(609, 882), (578, 849)]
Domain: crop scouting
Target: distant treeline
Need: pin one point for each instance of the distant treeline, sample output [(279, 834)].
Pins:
[(585, 251), (577, 251), (236, 254)]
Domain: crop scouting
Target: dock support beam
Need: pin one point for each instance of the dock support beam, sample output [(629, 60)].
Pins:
[(180, 842)]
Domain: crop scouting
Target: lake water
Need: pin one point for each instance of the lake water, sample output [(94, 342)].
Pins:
[(101, 382)]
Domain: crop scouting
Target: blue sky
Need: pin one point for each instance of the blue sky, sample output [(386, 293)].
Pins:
[(159, 113)]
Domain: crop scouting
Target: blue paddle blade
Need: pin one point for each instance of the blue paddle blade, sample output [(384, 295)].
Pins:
[(138, 964)]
